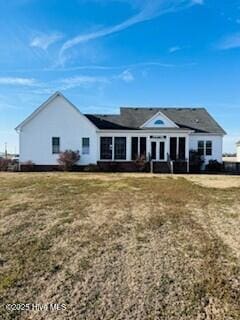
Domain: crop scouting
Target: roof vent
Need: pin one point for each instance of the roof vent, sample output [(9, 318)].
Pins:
[(194, 109), (197, 120), (136, 109)]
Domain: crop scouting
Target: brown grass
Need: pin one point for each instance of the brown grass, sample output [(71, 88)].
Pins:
[(114, 246)]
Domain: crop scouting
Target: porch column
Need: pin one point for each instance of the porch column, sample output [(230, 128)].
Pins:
[(187, 152), (129, 149), (168, 146), (148, 147), (177, 146)]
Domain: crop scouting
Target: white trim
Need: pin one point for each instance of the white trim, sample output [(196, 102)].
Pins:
[(147, 131), (159, 113), (44, 105), (206, 134)]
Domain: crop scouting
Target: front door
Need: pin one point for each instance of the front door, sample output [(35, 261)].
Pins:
[(158, 150)]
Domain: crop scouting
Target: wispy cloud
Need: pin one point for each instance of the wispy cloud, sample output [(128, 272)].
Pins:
[(149, 11), (43, 41), (114, 67), (229, 42), (81, 81), (126, 76), (17, 81), (174, 49)]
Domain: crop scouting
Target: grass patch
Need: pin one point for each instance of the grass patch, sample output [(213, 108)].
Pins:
[(120, 247)]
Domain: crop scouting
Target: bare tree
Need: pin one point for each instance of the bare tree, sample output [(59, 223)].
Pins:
[(68, 159)]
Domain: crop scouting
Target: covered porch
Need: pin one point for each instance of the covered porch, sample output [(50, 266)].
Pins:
[(166, 150)]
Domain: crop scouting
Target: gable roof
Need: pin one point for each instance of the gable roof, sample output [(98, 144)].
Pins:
[(197, 119), (44, 105)]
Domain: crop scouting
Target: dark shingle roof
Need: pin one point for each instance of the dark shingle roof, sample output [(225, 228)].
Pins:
[(197, 119), (106, 121)]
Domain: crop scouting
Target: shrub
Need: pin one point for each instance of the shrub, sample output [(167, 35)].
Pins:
[(141, 163), (4, 164), (68, 159), (214, 166), (27, 166), (195, 160)]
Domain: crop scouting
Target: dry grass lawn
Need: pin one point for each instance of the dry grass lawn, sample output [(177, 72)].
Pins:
[(120, 246)]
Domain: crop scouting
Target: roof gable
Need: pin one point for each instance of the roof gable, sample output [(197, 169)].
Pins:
[(159, 120), (195, 119), (45, 105)]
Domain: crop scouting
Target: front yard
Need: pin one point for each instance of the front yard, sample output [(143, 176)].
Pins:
[(120, 246)]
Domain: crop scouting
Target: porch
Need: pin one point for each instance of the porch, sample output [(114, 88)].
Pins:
[(166, 152)]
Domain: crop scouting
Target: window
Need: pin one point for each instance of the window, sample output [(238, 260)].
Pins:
[(139, 147), (55, 145), (120, 148), (208, 148), (201, 148), (205, 148), (143, 142), (173, 148), (106, 148), (182, 148), (159, 122), (153, 150), (161, 150), (85, 145), (134, 148)]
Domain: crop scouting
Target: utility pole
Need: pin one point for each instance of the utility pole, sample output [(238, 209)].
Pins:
[(6, 153)]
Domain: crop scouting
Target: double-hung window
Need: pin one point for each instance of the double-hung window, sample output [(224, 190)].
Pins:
[(201, 148), (85, 145), (208, 148), (55, 145), (205, 148)]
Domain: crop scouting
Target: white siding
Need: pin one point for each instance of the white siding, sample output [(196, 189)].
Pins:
[(238, 152), (217, 142), (58, 119)]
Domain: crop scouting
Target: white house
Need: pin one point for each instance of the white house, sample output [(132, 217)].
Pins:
[(238, 151), (162, 134)]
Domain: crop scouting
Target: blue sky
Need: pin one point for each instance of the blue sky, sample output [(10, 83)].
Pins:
[(103, 54)]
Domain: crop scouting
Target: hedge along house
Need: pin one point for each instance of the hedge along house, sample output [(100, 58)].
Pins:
[(163, 135)]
